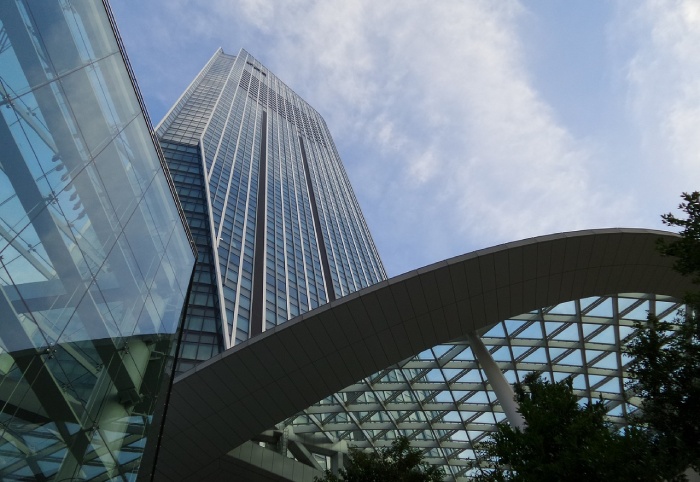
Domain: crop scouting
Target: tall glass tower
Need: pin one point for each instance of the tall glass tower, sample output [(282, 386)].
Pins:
[(277, 225)]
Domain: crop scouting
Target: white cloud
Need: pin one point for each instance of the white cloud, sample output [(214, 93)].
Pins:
[(664, 93), (464, 150), (448, 143)]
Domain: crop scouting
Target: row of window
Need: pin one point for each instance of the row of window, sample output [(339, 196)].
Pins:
[(202, 329)]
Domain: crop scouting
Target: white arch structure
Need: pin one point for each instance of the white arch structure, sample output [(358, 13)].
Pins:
[(238, 394)]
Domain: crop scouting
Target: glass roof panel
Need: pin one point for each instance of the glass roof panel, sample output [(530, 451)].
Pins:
[(465, 355), (579, 382), (638, 313), (588, 328), (570, 333), (421, 379), (497, 331), (613, 386), (608, 361), (537, 356), (605, 336), (574, 358), (587, 302), (624, 303), (603, 309), (472, 376), (568, 308), (502, 354), (663, 306), (626, 332), (551, 326), (510, 376), (532, 331), (519, 351)]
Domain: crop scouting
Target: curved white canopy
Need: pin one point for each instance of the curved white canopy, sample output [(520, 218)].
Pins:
[(240, 393)]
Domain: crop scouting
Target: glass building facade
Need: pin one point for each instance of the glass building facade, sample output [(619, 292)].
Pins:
[(277, 225), (95, 260)]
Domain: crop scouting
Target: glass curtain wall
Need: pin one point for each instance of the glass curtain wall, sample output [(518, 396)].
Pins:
[(94, 258), (279, 231)]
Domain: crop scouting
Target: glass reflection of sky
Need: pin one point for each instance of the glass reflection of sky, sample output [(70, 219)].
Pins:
[(94, 258)]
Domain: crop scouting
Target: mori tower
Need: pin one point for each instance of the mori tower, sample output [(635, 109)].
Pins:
[(277, 225)]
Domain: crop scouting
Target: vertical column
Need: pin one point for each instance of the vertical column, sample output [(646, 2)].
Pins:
[(257, 317), (330, 290), (498, 382), (338, 462)]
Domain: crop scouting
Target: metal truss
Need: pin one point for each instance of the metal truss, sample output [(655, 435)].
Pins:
[(444, 402)]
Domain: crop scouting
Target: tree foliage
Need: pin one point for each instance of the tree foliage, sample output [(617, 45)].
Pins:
[(562, 440), (665, 374), (665, 369), (397, 463), (685, 249)]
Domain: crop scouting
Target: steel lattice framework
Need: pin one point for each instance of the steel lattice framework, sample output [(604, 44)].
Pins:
[(443, 400)]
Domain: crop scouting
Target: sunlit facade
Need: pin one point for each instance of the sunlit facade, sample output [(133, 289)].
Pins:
[(278, 228), (95, 260)]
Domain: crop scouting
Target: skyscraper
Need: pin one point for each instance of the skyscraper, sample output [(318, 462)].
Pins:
[(277, 225)]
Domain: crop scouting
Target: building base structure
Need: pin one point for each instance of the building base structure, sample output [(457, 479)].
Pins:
[(560, 285)]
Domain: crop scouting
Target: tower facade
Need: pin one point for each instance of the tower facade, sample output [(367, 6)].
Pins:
[(277, 225)]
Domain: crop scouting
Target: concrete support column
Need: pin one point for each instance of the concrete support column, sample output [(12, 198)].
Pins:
[(338, 462), (504, 392)]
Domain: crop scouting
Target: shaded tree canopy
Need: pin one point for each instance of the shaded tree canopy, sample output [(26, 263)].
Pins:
[(397, 463), (686, 249), (665, 370), (562, 440)]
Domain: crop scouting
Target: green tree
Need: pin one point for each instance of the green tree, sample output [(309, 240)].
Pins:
[(665, 369), (665, 374), (562, 440), (397, 463), (686, 249)]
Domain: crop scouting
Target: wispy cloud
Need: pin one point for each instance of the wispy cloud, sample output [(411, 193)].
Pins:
[(446, 138), (465, 153), (664, 92)]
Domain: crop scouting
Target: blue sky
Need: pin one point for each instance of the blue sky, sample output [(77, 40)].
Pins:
[(464, 124)]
